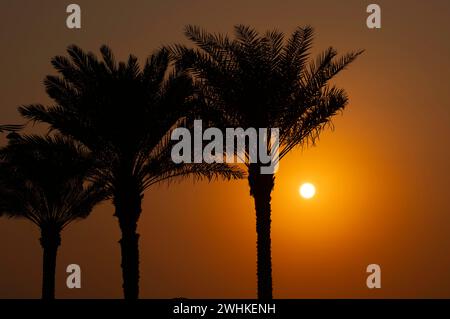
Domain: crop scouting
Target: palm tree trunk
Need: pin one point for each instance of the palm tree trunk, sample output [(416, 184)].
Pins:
[(128, 209), (50, 241), (261, 187)]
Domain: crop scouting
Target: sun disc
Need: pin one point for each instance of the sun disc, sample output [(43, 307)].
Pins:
[(307, 190)]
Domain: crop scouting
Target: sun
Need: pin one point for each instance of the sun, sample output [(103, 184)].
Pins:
[(307, 190)]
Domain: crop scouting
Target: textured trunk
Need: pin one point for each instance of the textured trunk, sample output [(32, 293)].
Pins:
[(50, 241), (260, 189), (128, 209)]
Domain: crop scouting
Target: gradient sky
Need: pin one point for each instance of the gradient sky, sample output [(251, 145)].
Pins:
[(382, 175)]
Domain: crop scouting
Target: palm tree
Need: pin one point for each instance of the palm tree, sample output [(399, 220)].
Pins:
[(10, 128), (264, 81), (45, 180), (124, 115)]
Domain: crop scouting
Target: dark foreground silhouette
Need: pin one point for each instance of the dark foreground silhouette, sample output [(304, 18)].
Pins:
[(265, 81), (113, 123), (45, 180)]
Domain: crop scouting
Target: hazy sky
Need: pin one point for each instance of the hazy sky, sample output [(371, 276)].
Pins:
[(382, 175)]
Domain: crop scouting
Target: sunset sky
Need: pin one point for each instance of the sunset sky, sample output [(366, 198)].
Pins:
[(382, 176)]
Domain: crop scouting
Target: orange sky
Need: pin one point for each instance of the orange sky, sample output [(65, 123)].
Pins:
[(382, 176)]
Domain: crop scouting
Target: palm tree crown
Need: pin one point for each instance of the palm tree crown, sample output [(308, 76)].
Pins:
[(124, 115), (45, 180), (264, 81)]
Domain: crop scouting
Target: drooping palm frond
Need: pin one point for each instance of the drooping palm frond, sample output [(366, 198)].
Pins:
[(306, 129), (169, 172), (160, 167)]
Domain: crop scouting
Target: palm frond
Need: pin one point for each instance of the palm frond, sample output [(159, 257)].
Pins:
[(169, 171), (246, 36), (11, 127), (108, 58), (307, 128)]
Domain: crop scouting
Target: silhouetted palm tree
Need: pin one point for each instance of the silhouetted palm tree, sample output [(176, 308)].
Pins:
[(124, 115), (45, 180), (263, 81)]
